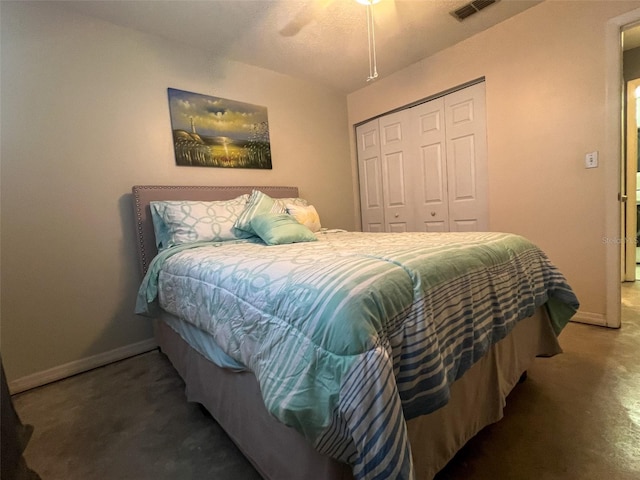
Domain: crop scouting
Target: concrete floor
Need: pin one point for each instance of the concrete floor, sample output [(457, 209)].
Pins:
[(576, 417)]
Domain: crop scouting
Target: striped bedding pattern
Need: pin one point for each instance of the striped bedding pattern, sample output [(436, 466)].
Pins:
[(352, 335)]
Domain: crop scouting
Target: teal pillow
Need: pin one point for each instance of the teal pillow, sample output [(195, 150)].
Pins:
[(259, 203), (281, 228)]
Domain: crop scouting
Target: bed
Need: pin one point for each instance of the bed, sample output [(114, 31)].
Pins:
[(342, 355)]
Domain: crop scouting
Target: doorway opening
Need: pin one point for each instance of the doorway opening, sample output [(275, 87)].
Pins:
[(630, 175)]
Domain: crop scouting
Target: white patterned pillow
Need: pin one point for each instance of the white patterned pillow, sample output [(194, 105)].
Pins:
[(306, 215), (187, 221), (259, 203), (291, 201)]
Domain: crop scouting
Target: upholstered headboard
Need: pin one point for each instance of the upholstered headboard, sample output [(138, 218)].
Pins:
[(144, 194)]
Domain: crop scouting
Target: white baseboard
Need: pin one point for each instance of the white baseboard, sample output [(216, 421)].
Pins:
[(79, 366), (590, 318)]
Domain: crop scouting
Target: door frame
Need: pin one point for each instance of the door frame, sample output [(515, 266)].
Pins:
[(612, 168), (630, 168)]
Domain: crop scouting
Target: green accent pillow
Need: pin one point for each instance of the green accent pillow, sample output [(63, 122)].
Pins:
[(259, 203), (281, 228)]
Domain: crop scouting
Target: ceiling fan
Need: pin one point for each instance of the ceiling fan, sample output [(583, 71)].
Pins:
[(385, 11), (314, 10), (307, 14)]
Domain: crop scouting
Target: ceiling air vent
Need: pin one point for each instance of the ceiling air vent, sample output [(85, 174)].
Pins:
[(471, 8)]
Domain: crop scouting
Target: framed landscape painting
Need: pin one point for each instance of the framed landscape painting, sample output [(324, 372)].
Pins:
[(217, 132)]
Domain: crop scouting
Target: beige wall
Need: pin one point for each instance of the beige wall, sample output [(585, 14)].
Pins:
[(84, 117), (546, 95)]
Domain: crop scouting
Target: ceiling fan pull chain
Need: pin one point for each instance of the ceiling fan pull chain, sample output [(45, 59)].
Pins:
[(371, 35)]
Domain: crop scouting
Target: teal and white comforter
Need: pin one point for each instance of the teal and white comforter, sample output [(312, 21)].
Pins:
[(354, 334)]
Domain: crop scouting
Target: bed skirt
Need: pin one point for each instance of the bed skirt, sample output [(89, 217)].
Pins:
[(277, 451)]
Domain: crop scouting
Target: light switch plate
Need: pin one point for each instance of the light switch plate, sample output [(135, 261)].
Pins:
[(591, 160)]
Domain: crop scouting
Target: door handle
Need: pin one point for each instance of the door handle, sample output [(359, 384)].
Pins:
[(622, 198)]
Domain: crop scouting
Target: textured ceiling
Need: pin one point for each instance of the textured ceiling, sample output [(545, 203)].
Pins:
[(324, 41)]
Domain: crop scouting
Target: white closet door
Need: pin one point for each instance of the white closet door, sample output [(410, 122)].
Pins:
[(370, 171), (397, 174), (425, 168), (467, 170), (432, 207)]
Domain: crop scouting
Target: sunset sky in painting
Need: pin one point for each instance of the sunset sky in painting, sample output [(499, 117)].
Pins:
[(213, 116)]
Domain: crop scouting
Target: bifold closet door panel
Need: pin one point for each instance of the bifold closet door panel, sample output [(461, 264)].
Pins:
[(467, 171), (397, 159), (370, 177), (430, 181)]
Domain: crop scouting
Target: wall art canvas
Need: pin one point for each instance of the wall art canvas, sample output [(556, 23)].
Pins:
[(217, 132)]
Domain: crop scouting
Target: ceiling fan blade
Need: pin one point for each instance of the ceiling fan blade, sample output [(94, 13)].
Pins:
[(307, 14), (303, 18)]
